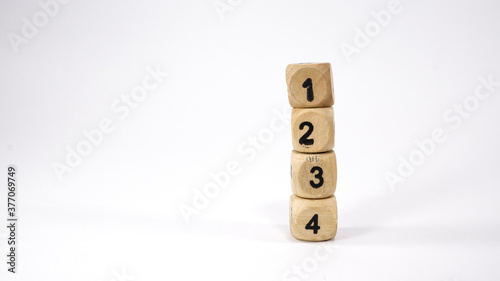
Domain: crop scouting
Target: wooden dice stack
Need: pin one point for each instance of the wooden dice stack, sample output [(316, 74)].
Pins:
[(313, 207)]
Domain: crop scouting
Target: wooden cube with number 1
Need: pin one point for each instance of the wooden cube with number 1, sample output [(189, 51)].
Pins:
[(309, 85)]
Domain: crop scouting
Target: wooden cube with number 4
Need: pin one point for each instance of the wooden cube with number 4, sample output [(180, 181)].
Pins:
[(313, 219), (309, 85), (313, 129), (314, 175)]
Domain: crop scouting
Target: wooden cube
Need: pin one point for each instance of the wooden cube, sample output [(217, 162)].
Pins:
[(310, 85), (313, 129), (314, 175), (313, 219)]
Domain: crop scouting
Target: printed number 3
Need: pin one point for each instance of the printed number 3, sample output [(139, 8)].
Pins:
[(319, 176), (309, 85)]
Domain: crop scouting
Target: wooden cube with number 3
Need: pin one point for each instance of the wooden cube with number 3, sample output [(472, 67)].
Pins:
[(313, 219), (313, 129), (314, 175), (309, 85)]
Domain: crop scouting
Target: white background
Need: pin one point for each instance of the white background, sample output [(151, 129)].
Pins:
[(116, 215)]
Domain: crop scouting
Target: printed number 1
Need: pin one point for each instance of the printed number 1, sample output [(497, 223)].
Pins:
[(309, 85), (313, 224)]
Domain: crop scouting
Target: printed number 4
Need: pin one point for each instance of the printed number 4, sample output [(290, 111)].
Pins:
[(309, 85), (313, 224)]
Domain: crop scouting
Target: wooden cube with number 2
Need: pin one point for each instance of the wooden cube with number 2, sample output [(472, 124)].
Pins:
[(313, 219), (313, 129)]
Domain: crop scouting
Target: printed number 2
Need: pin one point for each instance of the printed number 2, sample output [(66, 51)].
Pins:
[(319, 176), (313, 224), (304, 139), (309, 85)]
